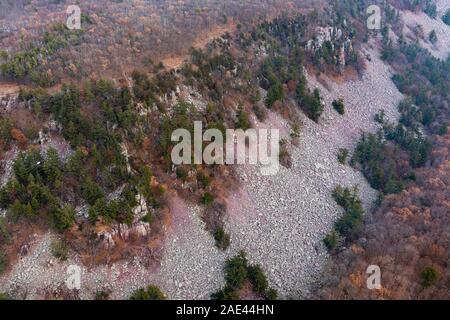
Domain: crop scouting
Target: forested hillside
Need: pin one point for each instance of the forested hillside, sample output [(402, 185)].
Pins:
[(86, 119), (408, 163)]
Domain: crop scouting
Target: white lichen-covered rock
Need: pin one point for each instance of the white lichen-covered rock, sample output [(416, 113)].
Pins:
[(107, 240), (126, 155), (7, 164), (141, 210), (124, 231), (7, 102), (52, 125), (341, 46), (137, 230), (322, 35), (191, 96), (141, 229)]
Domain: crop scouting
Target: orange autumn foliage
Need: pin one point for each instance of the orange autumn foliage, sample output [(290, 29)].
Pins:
[(18, 136)]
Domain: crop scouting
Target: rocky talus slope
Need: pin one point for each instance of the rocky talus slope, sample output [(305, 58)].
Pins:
[(283, 218)]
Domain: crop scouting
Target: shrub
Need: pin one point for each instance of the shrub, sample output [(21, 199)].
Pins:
[(4, 296), (116, 209), (51, 167), (207, 198), (150, 293), (91, 191), (443, 129), (315, 105), (255, 96), (429, 276), (379, 200), (236, 271), (62, 217), (5, 132), (243, 121), (4, 233), (342, 155), (3, 55), (430, 9), (393, 186), (17, 209), (284, 154), (310, 103), (59, 250), (446, 17), (222, 239), (203, 179), (295, 132), (260, 112), (182, 173), (3, 262), (380, 117), (271, 294), (98, 209), (102, 295), (258, 279), (432, 37), (379, 159), (333, 240), (226, 293), (338, 105), (350, 224), (275, 93), (148, 218)]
